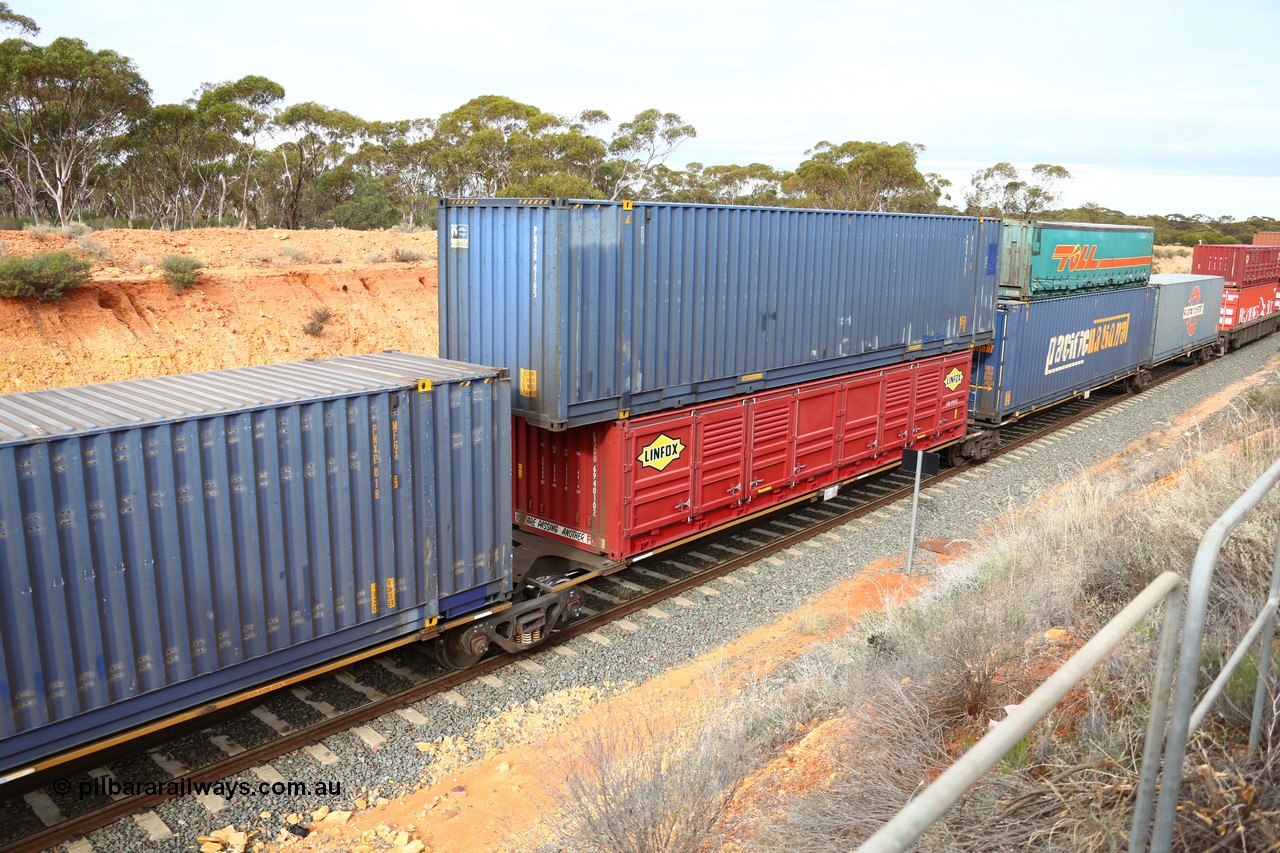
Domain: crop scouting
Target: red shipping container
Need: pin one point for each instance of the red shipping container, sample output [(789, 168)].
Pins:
[(1266, 238), (625, 488), (1244, 305), (1241, 266)]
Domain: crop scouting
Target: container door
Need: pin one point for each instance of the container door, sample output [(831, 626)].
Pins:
[(927, 407), (815, 431), (720, 463), (860, 436), (899, 388), (769, 457), (661, 466)]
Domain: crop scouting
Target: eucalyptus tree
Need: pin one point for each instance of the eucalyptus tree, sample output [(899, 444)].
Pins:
[(640, 146), (322, 138), (244, 109), (1000, 190), (863, 176), (62, 108)]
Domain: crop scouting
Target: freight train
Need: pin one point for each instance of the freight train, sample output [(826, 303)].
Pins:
[(618, 379)]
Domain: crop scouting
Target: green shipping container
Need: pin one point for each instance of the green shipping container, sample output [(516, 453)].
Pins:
[(1045, 259)]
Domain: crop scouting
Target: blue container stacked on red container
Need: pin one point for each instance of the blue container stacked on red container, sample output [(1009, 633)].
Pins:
[(671, 370)]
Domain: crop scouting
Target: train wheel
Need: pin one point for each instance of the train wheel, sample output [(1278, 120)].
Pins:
[(462, 647)]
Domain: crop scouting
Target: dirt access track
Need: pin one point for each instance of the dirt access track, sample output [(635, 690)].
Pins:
[(254, 295)]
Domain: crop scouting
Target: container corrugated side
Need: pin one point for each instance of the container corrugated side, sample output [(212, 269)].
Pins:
[(1050, 350), (1047, 259), (1266, 238), (1241, 266), (605, 309), (1187, 308), (164, 542), (624, 488)]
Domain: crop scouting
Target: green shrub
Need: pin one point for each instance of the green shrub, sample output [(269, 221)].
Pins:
[(46, 276), (313, 328), (180, 271), (322, 315)]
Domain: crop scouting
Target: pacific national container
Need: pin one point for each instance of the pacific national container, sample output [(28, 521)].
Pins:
[(603, 310), (164, 542), (624, 488), (1051, 350), (1046, 259), (1266, 238), (1241, 266), (1187, 307)]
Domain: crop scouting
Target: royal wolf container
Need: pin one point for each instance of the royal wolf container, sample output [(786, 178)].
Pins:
[(603, 310), (1051, 350), (626, 487), (1187, 308), (1248, 313), (1266, 238), (165, 542), (1046, 259), (1241, 266)]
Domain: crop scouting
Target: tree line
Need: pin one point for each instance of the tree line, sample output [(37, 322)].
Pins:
[(80, 139)]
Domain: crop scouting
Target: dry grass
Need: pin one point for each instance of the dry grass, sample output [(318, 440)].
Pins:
[(922, 680)]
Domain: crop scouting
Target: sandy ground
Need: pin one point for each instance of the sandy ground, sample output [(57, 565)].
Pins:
[(252, 299)]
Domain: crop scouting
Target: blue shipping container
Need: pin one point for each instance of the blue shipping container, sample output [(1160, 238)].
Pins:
[(1051, 350), (165, 542), (604, 309), (1187, 311)]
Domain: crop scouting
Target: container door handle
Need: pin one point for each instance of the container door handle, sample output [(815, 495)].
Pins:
[(684, 505), (736, 487), (800, 468), (755, 483)]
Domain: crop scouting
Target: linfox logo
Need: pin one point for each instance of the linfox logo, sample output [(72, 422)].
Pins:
[(660, 452), (1075, 256), (1069, 350), (954, 378), (1194, 310)]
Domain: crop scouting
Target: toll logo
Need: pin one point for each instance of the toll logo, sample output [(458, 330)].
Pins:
[(1078, 256), (660, 452), (953, 379), (1194, 311)]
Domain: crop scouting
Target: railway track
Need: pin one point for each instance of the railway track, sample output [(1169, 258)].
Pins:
[(46, 811)]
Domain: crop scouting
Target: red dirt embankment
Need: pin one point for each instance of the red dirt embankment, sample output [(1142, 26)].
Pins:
[(252, 299)]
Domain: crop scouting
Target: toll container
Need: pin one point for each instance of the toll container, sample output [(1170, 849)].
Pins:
[(625, 488), (1047, 259), (1241, 266), (603, 310), (166, 542), (1266, 238), (1051, 350), (1186, 306)]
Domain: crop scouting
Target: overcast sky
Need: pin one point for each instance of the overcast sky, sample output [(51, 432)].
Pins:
[(1154, 107)]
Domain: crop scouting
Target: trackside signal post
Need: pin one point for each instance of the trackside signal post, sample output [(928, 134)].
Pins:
[(925, 464)]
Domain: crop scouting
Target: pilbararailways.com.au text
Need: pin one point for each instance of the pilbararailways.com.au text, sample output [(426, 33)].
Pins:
[(227, 789)]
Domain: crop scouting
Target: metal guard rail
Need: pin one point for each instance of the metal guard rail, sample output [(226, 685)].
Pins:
[(918, 815)]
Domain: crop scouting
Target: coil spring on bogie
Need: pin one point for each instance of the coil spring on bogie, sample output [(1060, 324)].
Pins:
[(528, 638)]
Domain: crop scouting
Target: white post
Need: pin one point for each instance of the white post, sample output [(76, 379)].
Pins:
[(915, 506)]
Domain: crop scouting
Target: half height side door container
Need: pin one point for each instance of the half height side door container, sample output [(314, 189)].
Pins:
[(624, 488), (1046, 259), (1248, 313), (604, 310), (1051, 350), (167, 542), (1186, 306), (1241, 266)]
